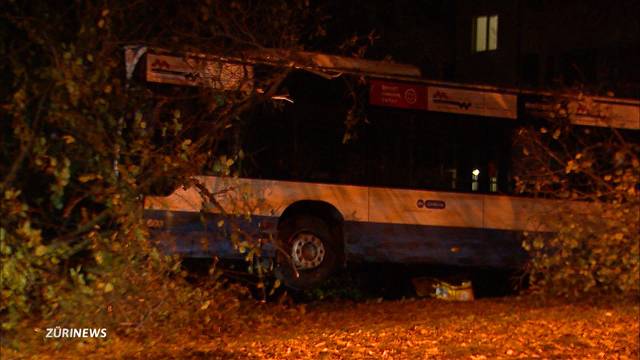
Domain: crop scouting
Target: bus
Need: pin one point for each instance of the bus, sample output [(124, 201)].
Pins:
[(426, 179)]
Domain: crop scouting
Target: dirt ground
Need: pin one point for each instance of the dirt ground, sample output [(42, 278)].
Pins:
[(504, 328)]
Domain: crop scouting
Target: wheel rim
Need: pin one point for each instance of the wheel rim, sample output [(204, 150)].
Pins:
[(307, 251)]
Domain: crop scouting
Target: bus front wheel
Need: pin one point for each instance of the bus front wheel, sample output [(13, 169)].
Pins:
[(307, 254)]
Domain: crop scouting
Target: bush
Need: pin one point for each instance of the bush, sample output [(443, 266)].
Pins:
[(593, 173), (596, 253)]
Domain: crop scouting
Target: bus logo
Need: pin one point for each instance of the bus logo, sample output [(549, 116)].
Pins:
[(443, 98), (431, 204), (410, 96)]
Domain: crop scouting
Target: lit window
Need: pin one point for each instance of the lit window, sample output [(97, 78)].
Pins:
[(493, 184), (474, 179), (485, 29)]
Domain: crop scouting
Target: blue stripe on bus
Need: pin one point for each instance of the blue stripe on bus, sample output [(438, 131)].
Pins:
[(194, 235), (401, 243)]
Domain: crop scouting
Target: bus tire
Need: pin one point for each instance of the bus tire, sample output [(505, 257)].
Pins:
[(307, 254)]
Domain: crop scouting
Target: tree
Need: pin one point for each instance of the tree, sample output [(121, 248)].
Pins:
[(80, 144), (596, 171)]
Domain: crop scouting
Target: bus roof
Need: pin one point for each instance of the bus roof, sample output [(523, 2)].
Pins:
[(463, 98)]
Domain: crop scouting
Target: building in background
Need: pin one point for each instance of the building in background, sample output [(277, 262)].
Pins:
[(518, 43)]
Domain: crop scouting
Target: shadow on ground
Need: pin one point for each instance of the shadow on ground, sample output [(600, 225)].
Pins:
[(361, 282)]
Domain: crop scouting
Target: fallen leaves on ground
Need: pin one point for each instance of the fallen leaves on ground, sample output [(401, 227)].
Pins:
[(509, 328)]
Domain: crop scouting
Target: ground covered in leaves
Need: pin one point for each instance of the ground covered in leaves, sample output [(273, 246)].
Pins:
[(510, 327)]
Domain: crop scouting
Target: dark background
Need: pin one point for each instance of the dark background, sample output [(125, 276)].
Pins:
[(541, 43)]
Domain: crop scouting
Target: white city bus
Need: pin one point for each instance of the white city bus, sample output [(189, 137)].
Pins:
[(428, 179)]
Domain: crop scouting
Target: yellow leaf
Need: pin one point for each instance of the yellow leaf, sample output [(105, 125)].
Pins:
[(108, 288), (88, 177), (69, 139), (99, 258), (41, 250), (205, 305)]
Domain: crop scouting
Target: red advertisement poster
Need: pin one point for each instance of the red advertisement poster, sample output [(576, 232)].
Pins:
[(400, 95)]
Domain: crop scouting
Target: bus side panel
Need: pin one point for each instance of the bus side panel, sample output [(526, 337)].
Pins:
[(398, 206), (407, 243), (185, 232), (272, 197), (433, 227), (517, 213), (193, 234), (170, 239), (529, 214)]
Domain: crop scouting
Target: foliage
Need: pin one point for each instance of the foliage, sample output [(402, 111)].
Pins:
[(594, 173), (79, 146)]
